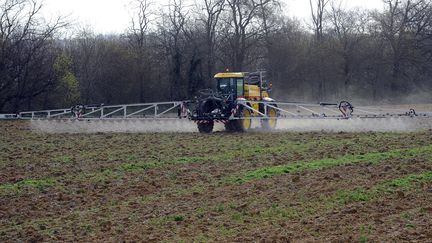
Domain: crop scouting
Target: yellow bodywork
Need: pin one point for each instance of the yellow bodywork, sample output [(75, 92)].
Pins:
[(230, 75), (251, 92)]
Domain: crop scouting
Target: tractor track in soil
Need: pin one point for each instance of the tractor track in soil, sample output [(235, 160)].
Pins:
[(193, 200)]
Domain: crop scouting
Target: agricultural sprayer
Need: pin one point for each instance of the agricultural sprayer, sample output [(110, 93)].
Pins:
[(240, 102)]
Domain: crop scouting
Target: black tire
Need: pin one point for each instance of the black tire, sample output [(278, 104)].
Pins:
[(206, 127), (231, 126)]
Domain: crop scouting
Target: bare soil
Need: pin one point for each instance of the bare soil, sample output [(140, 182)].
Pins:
[(174, 187)]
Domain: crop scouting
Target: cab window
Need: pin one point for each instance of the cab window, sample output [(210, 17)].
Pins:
[(240, 85), (226, 86), (223, 85)]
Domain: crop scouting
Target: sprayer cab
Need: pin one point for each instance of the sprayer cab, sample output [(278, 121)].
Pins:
[(250, 86), (237, 98)]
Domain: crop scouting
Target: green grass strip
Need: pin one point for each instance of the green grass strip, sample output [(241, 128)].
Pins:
[(145, 165), (389, 187), (342, 198), (142, 166), (42, 184), (105, 174), (39, 184), (316, 205), (230, 155), (327, 163)]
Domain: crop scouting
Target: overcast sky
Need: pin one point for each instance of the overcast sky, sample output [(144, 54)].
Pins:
[(113, 16)]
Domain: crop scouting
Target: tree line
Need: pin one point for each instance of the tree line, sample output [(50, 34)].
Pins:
[(170, 52)]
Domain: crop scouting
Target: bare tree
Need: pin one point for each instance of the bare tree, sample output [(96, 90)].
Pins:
[(318, 9), (210, 15), (137, 37), (172, 40), (244, 30), (349, 27), (401, 24), (84, 51), (25, 42), (318, 12), (377, 54)]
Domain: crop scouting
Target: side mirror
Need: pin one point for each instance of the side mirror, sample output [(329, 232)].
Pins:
[(270, 87)]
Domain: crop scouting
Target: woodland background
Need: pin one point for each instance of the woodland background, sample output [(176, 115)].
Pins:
[(170, 52)]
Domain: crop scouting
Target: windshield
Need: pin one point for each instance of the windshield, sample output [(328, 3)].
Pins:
[(226, 86), (230, 86)]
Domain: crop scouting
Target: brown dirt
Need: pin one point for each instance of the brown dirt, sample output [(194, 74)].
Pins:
[(92, 198)]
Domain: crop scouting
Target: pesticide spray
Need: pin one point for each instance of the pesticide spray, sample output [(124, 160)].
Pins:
[(113, 126), (396, 124)]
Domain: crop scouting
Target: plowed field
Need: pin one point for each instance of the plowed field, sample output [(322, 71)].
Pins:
[(282, 187)]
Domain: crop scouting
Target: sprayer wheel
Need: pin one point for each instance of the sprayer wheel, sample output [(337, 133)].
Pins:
[(244, 124), (206, 127), (230, 126), (271, 122)]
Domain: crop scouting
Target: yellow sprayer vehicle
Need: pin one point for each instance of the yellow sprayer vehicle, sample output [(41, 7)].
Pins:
[(239, 98)]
